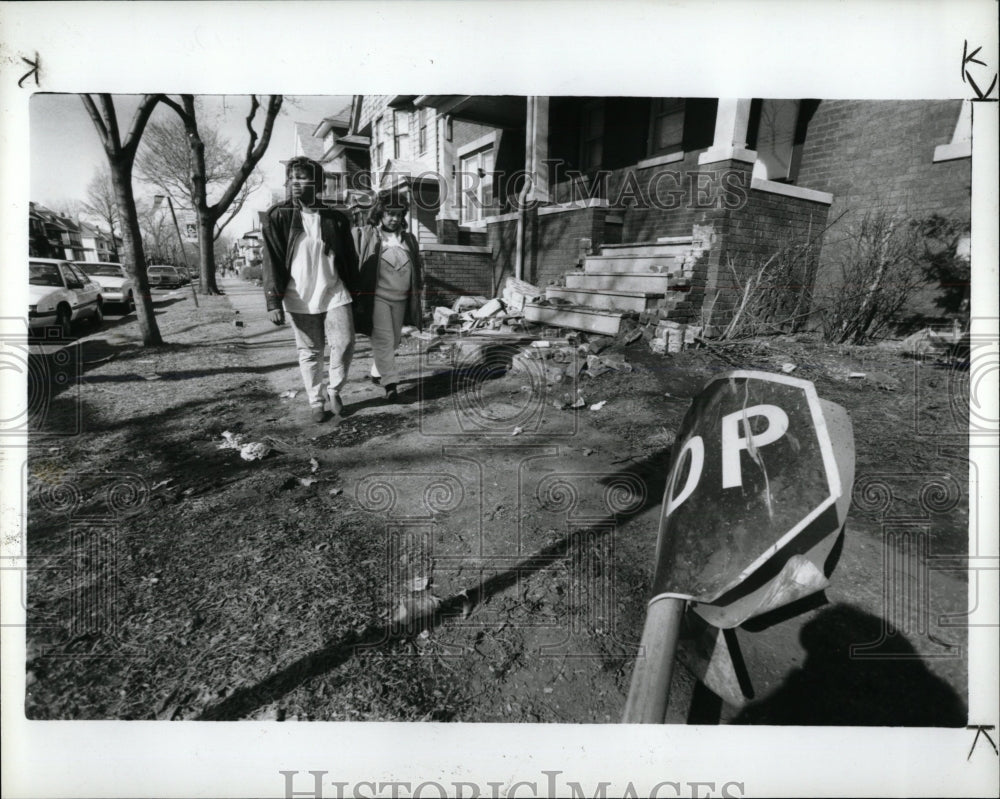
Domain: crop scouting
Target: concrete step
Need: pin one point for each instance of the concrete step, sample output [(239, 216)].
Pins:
[(617, 282), (608, 300), (675, 245), (589, 320), (632, 264)]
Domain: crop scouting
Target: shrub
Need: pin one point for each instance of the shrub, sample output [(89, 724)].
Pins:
[(879, 266), (250, 273)]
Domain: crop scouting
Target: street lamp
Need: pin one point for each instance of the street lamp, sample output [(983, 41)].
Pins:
[(157, 199)]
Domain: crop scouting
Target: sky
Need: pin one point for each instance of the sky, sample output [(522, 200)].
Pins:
[(66, 152)]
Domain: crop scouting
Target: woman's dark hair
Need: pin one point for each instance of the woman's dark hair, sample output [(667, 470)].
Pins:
[(301, 162), (383, 204)]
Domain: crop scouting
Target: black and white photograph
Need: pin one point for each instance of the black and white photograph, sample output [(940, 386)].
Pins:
[(579, 436)]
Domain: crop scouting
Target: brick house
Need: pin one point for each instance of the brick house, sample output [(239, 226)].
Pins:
[(52, 235), (98, 245), (344, 156), (619, 184)]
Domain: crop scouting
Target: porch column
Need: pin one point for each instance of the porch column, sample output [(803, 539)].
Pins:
[(730, 142), (447, 165), (536, 148)]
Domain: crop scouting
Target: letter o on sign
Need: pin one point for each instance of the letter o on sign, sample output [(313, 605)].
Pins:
[(696, 446)]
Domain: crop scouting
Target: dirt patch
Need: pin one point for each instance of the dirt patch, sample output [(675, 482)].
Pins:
[(392, 565)]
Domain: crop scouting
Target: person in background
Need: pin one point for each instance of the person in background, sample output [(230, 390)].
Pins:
[(310, 272), (389, 285)]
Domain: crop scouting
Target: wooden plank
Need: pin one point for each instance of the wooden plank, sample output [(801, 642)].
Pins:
[(656, 284), (632, 264), (607, 323), (594, 298)]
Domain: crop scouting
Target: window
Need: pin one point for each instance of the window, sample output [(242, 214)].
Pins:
[(666, 126), (476, 194), (378, 142), (774, 139), (591, 137), (332, 185), (401, 133), (69, 278), (422, 138)]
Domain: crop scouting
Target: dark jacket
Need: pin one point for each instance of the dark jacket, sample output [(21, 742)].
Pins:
[(369, 246), (281, 225)]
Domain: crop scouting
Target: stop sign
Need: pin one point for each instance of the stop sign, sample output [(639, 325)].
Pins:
[(754, 470)]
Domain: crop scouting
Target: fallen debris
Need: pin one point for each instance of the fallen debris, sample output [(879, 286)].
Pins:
[(598, 405), (468, 304), (249, 451), (290, 394), (788, 368), (254, 451), (517, 292)]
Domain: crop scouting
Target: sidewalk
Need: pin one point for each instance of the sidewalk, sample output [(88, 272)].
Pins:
[(269, 345)]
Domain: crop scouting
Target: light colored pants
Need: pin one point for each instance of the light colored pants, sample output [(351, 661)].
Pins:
[(312, 333), (387, 326)]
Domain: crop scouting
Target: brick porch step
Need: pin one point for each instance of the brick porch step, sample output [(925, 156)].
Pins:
[(606, 300), (632, 264), (590, 320), (676, 245), (619, 282)]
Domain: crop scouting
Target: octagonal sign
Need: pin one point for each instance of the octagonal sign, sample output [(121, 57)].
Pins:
[(754, 468)]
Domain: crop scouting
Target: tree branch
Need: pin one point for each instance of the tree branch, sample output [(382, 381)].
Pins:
[(139, 120), (254, 105), (102, 129), (253, 157), (174, 105)]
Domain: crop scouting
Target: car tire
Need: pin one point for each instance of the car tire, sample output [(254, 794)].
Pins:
[(98, 317), (64, 321), (130, 303)]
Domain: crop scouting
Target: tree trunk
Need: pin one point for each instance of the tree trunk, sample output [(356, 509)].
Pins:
[(135, 262), (206, 223), (206, 251)]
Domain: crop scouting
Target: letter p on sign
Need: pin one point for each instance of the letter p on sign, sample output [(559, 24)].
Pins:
[(734, 441), (755, 466)]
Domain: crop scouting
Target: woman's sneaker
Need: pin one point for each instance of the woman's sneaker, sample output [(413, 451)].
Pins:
[(318, 414), (391, 395), (336, 403)]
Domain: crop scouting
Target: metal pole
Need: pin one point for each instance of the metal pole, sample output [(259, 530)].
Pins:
[(177, 227), (650, 689)]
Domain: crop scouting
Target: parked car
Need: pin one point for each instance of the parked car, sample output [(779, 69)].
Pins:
[(165, 277), (60, 294), (116, 285)]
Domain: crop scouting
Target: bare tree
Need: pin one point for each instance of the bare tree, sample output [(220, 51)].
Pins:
[(159, 240), (194, 162), (100, 203), (121, 158)]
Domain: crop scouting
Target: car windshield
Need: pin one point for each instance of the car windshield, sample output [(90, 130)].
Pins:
[(103, 270), (165, 270), (44, 275)]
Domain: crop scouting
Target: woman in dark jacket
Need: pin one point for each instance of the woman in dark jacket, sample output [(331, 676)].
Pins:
[(389, 285)]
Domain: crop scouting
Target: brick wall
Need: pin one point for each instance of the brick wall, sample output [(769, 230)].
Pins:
[(643, 219), (552, 242), (452, 273), (558, 241), (880, 154), (748, 236)]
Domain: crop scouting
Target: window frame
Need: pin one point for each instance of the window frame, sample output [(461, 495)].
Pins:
[(680, 109)]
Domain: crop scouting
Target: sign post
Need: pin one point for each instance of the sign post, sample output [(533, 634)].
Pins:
[(756, 496)]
